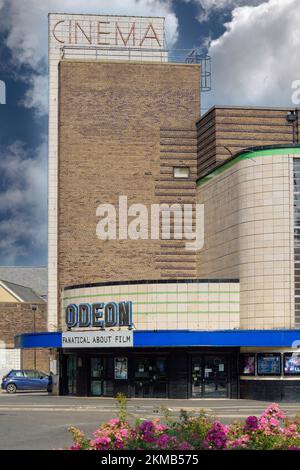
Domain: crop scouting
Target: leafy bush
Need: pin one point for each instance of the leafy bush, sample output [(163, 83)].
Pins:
[(271, 430)]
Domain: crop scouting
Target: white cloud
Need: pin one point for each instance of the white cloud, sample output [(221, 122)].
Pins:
[(209, 6), (24, 203), (256, 60), (26, 23), (23, 230), (37, 94), (221, 4)]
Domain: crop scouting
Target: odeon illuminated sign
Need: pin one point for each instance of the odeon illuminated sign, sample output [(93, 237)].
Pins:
[(99, 315)]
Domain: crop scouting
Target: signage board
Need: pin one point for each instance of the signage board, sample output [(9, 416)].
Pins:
[(99, 315), (97, 339), (107, 31), (268, 364)]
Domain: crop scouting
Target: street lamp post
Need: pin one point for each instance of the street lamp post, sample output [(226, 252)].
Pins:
[(34, 309)]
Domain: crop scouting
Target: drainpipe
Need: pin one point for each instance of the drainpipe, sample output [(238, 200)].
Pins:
[(292, 118)]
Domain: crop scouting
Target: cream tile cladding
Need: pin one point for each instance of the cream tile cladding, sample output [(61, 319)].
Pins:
[(169, 306), (248, 236)]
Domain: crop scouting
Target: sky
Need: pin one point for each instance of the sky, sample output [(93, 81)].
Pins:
[(254, 46)]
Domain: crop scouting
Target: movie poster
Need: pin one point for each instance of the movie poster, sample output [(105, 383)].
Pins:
[(247, 364), (121, 368), (292, 364)]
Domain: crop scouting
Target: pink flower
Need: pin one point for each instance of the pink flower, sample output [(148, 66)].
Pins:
[(273, 410), (114, 422), (75, 447), (291, 431), (123, 432), (263, 421), (101, 443), (274, 422), (241, 442), (268, 431), (161, 427)]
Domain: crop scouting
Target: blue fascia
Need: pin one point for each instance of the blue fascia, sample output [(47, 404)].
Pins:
[(181, 338)]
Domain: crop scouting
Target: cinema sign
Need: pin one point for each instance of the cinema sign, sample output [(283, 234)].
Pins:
[(106, 31), (99, 315)]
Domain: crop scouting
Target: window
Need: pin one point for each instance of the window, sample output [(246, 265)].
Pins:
[(143, 368), (160, 368), (16, 373), (269, 364), (31, 374), (181, 172), (247, 364), (291, 363)]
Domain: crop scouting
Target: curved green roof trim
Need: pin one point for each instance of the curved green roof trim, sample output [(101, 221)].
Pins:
[(248, 154)]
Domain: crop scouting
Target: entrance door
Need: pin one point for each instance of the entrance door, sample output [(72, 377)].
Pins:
[(215, 379), (71, 375), (209, 376), (96, 376), (151, 377)]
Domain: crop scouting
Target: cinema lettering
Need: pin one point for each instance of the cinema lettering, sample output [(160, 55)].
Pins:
[(106, 33), (99, 315)]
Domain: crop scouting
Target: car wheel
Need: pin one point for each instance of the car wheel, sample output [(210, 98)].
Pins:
[(11, 388)]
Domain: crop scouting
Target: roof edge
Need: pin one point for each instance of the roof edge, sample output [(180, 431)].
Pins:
[(250, 152)]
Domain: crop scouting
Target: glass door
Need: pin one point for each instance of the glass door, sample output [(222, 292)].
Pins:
[(209, 376), (150, 378), (197, 377), (96, 376), (143, 377), (71, 375), (215, 377)]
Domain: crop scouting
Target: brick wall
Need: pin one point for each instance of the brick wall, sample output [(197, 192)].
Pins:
[(118, 135), (224, 131), (18, 318), (35, 359)]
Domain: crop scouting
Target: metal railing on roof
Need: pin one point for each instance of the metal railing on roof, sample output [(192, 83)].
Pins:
[(185, 56)]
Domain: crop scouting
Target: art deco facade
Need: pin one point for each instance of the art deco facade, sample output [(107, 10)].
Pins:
[(148, 316)]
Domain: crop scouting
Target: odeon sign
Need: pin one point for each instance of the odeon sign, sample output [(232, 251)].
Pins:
[(99, 315)]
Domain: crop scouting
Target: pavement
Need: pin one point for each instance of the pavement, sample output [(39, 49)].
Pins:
[(34, 421)]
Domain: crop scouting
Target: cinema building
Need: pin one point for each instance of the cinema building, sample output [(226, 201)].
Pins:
[(153, 316)]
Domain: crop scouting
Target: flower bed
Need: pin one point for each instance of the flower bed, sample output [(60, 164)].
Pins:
[(272, 430)]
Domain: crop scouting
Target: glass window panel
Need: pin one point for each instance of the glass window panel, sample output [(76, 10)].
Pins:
[(291, 363), (269, 364), (181, 172)]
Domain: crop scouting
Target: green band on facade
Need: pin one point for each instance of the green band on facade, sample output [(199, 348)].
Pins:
[(246, 156), (87, 296)]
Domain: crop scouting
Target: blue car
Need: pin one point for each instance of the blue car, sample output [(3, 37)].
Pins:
[(26, 380)]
